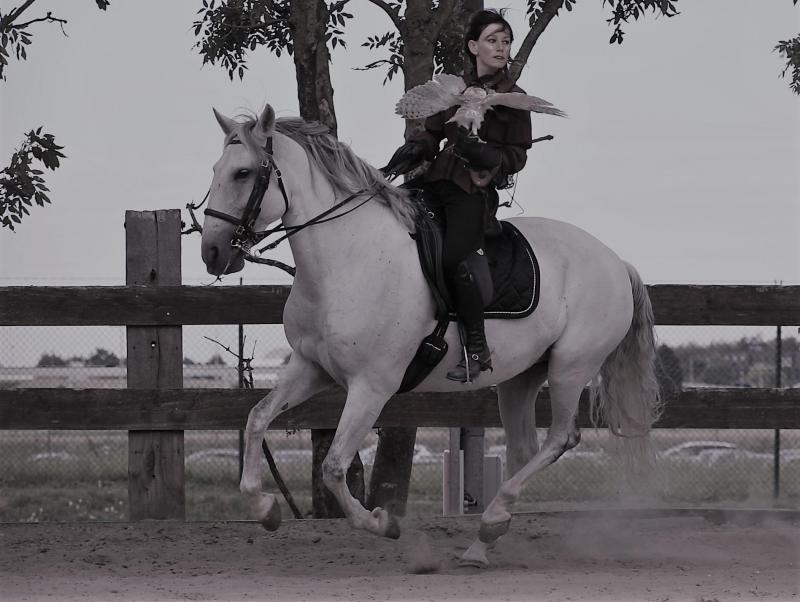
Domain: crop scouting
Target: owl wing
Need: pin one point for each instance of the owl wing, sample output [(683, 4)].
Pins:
[(526, 102), (440, 93)]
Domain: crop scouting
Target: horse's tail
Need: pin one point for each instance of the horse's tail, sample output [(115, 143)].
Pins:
[(625, 393)]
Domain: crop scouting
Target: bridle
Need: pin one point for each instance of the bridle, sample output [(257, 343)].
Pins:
[(245, 236)]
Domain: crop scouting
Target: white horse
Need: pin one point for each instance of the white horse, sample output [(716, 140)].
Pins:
[(360, 306)]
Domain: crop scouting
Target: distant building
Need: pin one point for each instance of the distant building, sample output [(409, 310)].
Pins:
[(195, 376)]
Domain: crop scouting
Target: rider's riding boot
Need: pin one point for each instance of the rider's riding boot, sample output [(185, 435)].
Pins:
[(478, 357), (469, 308)]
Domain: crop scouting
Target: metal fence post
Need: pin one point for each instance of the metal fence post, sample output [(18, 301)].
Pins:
[(240, 369), (776, 463), (453, 475), (156, 472)]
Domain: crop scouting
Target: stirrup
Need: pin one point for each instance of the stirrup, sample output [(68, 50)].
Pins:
[(470, 366)]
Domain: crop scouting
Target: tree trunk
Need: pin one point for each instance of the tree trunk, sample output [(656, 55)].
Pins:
[(452, 36), (309, 20), (391, 472)]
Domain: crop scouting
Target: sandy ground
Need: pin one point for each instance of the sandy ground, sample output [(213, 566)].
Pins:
[(619, 555)]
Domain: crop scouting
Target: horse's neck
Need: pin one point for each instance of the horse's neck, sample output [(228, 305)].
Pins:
[(348, 249)]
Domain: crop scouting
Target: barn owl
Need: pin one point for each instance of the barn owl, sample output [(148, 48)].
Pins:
[(445, 91)]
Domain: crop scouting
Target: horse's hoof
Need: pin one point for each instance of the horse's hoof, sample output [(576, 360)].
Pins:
[(388, 525), (392, 528), (489, 533), (272, 520), (475, 556), (266, 510)]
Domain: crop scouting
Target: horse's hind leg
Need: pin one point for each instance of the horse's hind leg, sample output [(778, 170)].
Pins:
[(562, 435), (516, 399), (361, 410), (300, 380)]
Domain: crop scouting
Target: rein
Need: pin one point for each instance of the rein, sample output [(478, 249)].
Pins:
[(245, 237)]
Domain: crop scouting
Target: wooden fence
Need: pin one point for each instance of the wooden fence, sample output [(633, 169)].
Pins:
[(156, 409)]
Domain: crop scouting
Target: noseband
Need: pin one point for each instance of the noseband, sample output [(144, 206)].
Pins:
[(244, 236)]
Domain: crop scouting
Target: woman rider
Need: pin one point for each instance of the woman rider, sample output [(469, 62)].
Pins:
[(465, 172)]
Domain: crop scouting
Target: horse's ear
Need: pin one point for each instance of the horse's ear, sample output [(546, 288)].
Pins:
[(226, 123), (266, 120)]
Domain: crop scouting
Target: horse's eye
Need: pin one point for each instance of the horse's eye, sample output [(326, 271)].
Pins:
[(242, 174)]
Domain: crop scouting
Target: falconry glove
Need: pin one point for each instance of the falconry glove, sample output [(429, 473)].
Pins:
[(479, 155)]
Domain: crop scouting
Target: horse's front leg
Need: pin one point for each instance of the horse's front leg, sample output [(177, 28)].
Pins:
[(301, 379), (361, 410)]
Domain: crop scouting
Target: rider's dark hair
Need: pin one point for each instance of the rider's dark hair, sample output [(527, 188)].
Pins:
[(478, 22)]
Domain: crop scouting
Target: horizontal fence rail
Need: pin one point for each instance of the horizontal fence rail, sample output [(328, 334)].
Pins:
[(156, 411), (209, 409), (673, 304)]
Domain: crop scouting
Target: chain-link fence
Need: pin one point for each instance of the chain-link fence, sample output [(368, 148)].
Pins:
[(82, 475)]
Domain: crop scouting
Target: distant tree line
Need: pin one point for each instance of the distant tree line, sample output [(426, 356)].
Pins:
[(104, 358), (747, 362)]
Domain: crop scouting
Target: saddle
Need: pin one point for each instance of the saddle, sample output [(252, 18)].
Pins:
[(511, 264)]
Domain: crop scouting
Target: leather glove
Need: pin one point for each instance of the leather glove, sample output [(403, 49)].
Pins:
[(478, 154), (405, 158)]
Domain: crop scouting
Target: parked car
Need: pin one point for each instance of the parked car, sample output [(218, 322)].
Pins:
[(292, 455), (422, 455), (218, 456), (790, 455), (59, 456), (574, 453), (710, 452)]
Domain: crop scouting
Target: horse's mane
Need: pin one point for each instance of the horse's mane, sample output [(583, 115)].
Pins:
[(346, 171)]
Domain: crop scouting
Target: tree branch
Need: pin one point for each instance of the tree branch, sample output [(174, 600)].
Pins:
[(398, 23), (14, 14), (49, 17), (378, 63), (549, 10)]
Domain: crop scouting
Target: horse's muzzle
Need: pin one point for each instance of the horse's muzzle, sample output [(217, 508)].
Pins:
[(218, 263)]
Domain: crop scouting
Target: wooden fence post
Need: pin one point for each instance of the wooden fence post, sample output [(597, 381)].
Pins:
[(156, 484)]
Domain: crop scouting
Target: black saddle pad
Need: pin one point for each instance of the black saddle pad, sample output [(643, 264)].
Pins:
[(515, 274), (512, 264)]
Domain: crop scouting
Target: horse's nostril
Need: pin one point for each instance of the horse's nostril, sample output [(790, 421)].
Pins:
[(209, 254)]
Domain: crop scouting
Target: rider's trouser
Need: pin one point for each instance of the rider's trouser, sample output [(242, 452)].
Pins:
[(464, 219)]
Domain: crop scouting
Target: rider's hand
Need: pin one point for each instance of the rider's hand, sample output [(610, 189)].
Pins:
[(478, 154), (405, 158)]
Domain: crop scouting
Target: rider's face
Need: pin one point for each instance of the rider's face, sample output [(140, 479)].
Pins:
[(491, 49)]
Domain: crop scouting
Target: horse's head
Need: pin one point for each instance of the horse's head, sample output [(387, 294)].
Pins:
[(244, 196)]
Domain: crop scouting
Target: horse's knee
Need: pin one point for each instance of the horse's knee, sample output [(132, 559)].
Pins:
[(333, 474)]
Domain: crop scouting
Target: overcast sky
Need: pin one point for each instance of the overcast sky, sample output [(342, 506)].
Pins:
[(680, 152)]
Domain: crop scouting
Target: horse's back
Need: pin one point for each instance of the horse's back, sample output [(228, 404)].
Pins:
[(568, 248), (590, 277)]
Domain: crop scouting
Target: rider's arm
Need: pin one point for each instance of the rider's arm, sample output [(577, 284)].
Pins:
[(518, 139)]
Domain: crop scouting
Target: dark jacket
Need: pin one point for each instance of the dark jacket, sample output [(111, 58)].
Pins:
[(504, 128)]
